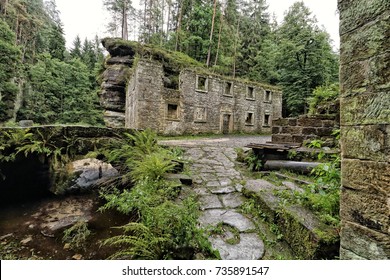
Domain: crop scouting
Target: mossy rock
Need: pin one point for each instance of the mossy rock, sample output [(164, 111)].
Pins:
[(307, 236)]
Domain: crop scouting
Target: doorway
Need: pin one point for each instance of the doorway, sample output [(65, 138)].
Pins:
[(226, 123)]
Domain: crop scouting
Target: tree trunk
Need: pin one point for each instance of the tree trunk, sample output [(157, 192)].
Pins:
[(235, 49), (211, 34), (125, 33), (178, 27), (3, 7), (169, 15), (219, 40)]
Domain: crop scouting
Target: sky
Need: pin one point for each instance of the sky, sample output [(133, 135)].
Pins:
[(87, 18)]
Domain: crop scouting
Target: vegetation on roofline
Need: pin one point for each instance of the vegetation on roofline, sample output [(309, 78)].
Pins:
[(175, 61)]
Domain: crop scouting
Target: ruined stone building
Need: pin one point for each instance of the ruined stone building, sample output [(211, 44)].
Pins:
[(365, 128), (175, 98)]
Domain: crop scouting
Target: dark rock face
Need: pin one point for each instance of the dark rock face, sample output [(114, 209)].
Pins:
[(114, 82), (115, 49)]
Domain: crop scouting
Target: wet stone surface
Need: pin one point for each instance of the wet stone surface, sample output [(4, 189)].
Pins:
[(218, 185)]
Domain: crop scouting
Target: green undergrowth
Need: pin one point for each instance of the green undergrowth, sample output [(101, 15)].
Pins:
[(268, 231), (163, 228), (77, 235)]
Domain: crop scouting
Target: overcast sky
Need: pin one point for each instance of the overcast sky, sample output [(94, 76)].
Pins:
[(87, 18)]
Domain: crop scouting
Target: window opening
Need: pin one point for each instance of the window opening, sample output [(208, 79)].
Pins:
[(172, 111), (250, 93), (249, 119)]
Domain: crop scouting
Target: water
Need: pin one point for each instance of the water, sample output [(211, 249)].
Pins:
[(35, 228)]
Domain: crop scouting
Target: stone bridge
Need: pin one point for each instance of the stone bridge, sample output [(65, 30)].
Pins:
[(32, 176)]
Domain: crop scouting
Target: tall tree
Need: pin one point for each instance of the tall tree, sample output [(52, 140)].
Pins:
[(306, 59), (121, 12), (9, 61), (211, 34)]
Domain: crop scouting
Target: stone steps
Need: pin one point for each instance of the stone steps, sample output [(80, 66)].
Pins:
[(308, 237)]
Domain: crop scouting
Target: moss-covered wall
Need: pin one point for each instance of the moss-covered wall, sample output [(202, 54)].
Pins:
[(365, 128), (147, 87)]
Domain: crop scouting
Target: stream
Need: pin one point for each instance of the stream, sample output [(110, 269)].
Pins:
[(34, 229)]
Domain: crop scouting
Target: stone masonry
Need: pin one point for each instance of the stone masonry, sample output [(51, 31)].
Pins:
[(365, 128), (142, 91), (304, 128)]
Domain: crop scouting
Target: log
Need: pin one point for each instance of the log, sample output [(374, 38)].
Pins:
[(296, 166)]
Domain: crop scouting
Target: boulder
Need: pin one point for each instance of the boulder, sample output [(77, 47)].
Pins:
[(83, 175)]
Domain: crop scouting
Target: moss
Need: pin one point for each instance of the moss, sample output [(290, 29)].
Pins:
[(173, 62)]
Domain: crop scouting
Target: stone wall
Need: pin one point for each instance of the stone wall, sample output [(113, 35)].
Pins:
[(365, 127), (305, 128), (202, 103), (147, 88)]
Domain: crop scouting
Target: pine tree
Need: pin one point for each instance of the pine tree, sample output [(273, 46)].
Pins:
[(122, 12)]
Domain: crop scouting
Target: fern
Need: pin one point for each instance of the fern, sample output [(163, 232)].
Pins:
[(139, 242)]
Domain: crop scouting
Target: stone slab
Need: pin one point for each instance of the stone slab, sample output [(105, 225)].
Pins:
[(251, 247), (232, 200), (229, 217), (210, 202), (222, 190), (364, 242)]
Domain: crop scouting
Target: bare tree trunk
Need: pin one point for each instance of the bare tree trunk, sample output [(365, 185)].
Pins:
[(162, 23), (125, 33), (179, 26), (169, 2), (219, 40), (211, 34), (235, 49), (3, 7)]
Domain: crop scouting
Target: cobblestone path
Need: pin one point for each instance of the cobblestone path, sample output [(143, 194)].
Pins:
[(218, 184)]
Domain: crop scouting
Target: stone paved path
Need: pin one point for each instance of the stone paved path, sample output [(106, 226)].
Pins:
[(218, 185)]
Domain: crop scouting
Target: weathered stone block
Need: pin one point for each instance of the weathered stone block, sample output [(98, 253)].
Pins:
[(309, 130), (364, 242), (280, 122), (282, 138), (364, 175), (114, 119), (324, 131), (113, 100), (367, 108), (367, 75), (369, 142), (372, 38), (328, 123), (309, 122), (292, 121), (298, 138), (354, 77), (356, 13), (117, 75), (291, 130), (357, 206), (276, 129), (125, 60)]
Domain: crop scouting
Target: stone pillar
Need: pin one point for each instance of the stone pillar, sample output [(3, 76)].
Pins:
[(365, 127)]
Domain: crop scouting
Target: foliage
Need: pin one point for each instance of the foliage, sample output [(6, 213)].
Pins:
[(165, 229), (323, 196), (77, 235), (60, 92), (9, 59), (323, 95), (40, 143), (305, 60)]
